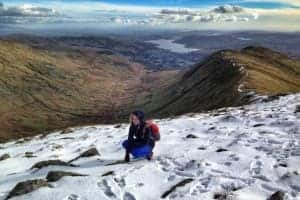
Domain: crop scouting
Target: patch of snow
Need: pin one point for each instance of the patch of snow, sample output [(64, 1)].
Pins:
[(240, 88), (249, 151)]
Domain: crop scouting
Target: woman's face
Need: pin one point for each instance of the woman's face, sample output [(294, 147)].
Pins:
[(134, 119)]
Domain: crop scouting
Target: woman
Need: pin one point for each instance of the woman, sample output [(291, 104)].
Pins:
[(139, 142)]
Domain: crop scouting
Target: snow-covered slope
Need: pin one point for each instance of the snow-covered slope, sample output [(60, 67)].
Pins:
[(248, 152)]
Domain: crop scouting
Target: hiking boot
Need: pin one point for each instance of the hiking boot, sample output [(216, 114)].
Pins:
[(127, 157), (150, 156)]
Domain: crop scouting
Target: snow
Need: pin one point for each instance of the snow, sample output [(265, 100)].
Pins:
[(259, 138)]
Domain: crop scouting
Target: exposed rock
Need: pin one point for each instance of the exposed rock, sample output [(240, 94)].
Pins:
[(27, 187), (58, 146), (274, 97), (258, 125), (191, 114), (220, 196), (279, 195), (29, 154), (191, 136), (53, 176), (4, 156), (46, 163), (295, 153), (283, 164), (89, 153), (67, 138), (66, 131), (173, 188), (228, 118), (297, 109), (108, 173), (118, 126), (201, 148), (221, 150), (226, 195), (128, 196), (20, 141)]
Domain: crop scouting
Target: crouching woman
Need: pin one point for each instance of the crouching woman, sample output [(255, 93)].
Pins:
[(141, 137)]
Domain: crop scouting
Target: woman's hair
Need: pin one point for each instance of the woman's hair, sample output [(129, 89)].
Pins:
[(139, 114)]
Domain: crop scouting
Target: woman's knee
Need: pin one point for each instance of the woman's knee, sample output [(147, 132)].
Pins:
[(125, 144)]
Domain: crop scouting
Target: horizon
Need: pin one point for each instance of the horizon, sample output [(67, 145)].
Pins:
[(37, 16)]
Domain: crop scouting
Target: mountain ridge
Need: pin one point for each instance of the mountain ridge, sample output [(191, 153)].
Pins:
[(43, 90), (228, 78)]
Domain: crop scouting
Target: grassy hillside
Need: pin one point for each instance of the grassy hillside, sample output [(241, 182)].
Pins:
[(44, 90), (226, 78)]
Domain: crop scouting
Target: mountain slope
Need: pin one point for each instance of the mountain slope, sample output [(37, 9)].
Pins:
[(47, 89), (226, 78), (43, 90), (241, 153)]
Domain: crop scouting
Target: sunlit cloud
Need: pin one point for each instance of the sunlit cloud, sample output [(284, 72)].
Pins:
[(228, 9), (227, 13), (287, 2), (103, 14), (27, 10)]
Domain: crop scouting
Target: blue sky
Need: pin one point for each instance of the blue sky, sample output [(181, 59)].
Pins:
[(266, 4), (274, 15)]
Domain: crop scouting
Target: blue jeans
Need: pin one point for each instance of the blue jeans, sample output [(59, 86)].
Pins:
[(138, 149)]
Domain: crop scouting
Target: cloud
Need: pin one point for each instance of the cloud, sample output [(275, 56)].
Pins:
[(98, 13), (226, 13), (26, 11), (121, 20), (228, 9), (179, 11), (295, 3), (102, 14)]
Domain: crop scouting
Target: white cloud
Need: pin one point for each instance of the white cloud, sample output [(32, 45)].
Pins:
[(228, 9), (26, 10), (121, 20), (178, 11), (227, 13), (108, 14), (290, 2)]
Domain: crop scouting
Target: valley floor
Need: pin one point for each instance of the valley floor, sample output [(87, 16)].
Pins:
[(245, 153)]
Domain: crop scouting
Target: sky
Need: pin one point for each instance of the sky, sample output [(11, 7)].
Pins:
[(271, 15)]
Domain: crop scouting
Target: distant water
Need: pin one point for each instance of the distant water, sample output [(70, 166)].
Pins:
[(172, 46), (244, 39)]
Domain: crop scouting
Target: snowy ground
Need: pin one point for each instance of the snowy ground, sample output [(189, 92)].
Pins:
[(263, 156)]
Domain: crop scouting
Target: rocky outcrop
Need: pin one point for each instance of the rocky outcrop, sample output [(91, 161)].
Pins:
[(173, 188), (4, 156), (89, 153), (46, 163), (279, 195), (27, 187), (53, 176)]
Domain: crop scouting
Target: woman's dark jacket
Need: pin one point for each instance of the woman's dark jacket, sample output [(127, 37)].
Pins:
[(139, 135)]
